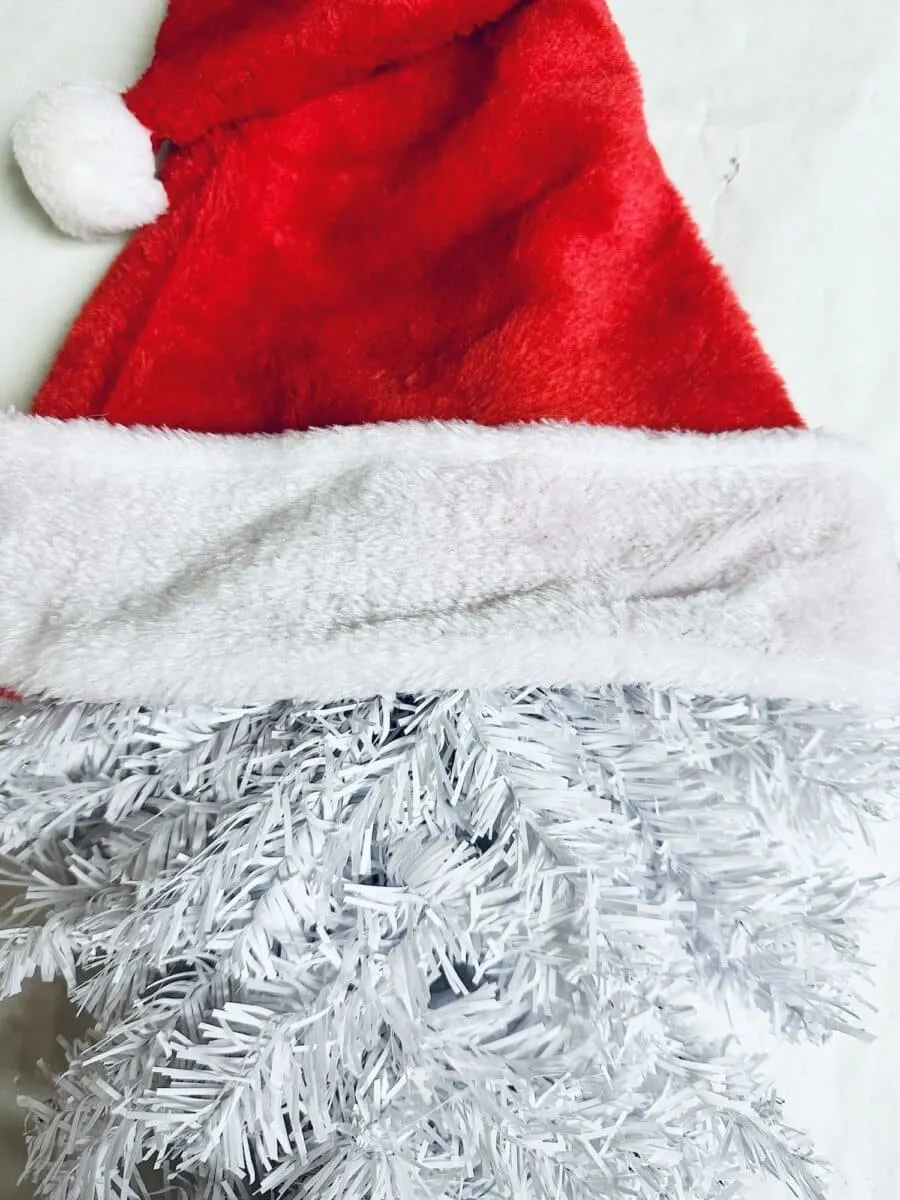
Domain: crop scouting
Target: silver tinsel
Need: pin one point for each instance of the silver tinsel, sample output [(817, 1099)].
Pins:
[(442, 948)]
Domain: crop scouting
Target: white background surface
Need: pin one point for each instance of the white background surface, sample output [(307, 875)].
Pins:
[(781, 124)]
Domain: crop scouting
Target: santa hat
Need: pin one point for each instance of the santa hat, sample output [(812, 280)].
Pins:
[(511, 429), (395, 218)]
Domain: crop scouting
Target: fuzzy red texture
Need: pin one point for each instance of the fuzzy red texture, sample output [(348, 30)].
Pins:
[(385, 210)]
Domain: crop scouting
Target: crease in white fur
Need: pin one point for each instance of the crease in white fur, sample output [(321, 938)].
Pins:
[(151, 566), (89, 161)]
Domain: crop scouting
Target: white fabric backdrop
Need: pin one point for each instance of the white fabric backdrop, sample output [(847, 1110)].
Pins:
[(781, 124)]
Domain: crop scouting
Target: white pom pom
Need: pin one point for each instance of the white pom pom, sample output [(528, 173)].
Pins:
[(89, 161)]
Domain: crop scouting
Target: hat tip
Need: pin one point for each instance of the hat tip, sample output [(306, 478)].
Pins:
[(89, 161)]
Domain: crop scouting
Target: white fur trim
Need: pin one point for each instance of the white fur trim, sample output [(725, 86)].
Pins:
[(89, 161), (152, 566)]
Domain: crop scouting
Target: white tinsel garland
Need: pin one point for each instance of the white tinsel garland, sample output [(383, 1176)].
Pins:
[(445, 947)]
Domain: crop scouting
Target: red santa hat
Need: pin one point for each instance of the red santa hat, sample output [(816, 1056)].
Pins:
[(526, 431)]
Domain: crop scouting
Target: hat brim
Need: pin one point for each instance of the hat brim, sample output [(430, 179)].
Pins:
[(150, 566)]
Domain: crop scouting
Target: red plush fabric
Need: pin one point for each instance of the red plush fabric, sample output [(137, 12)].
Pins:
[(404, 209)]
